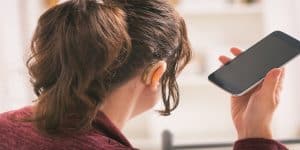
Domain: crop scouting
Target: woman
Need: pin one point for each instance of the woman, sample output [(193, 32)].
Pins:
[(96, 64)]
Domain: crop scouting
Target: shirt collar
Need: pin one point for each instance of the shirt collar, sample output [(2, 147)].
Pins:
[(105, 126)]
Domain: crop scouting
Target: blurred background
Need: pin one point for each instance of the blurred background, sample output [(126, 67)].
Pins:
[(203, 115)]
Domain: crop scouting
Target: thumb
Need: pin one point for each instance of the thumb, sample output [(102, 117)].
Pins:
[(271, 82)]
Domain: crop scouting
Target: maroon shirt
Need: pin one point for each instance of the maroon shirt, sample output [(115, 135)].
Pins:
[(24, 136)]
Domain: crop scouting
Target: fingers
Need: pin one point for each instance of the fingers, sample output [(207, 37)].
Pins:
[(224, 59), (272, 83), (235, 51)]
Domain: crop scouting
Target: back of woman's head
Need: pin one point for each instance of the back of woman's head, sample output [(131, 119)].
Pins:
[(83, 49)]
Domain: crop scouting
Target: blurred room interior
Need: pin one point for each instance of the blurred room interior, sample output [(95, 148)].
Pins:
[(203, 116)]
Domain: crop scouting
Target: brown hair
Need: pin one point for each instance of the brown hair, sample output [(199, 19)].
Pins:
[(82, 49)]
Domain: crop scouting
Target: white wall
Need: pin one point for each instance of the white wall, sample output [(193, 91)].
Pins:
[(18, 19), (284, 15)]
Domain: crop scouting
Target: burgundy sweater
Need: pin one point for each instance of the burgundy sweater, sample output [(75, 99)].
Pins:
[(104, 136)]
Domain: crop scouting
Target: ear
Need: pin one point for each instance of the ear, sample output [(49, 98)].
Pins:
[(155, 74)]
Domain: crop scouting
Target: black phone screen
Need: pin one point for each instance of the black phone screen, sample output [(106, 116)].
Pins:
[(252, 65)]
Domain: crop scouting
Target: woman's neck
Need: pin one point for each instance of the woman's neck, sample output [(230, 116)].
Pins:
[(120, 105)]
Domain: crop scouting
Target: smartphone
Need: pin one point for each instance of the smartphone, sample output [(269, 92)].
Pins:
[(249, 68)]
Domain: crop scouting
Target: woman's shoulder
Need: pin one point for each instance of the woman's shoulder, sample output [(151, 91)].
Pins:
[(15, 133), (9, 117), (10, 128), (9, 123)]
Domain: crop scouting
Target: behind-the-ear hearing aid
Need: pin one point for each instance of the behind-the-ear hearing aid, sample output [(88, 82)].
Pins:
[(149, 71)]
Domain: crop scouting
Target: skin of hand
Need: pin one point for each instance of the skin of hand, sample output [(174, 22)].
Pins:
[(252, 112)]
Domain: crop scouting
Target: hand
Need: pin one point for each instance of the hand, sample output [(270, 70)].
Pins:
[(252, 113)]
